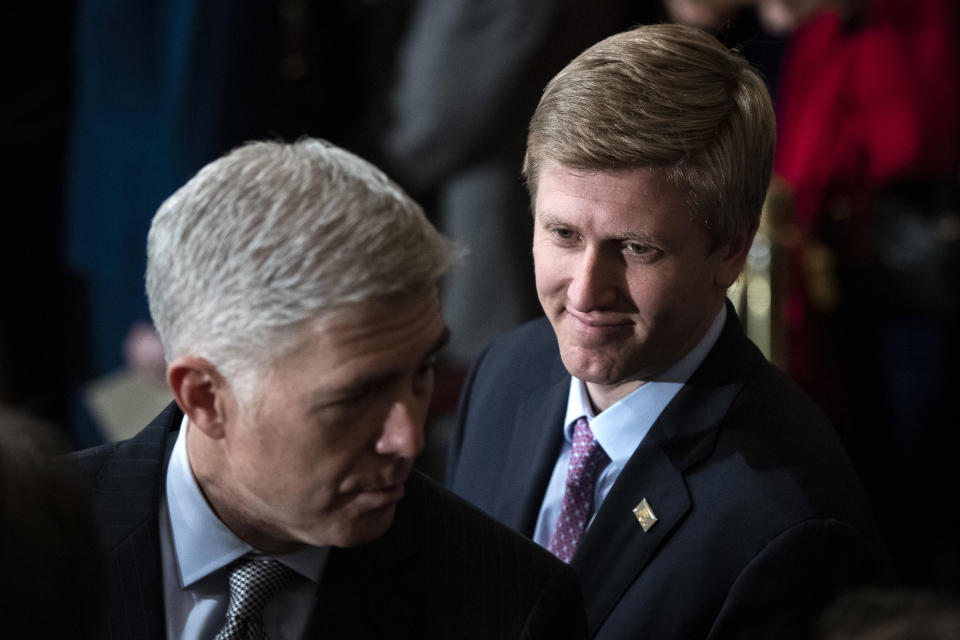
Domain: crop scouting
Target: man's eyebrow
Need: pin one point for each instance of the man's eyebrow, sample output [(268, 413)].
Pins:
[(549, 219), (637, 236)]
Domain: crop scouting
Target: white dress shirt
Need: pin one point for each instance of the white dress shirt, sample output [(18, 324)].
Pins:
[(196, 548), (619, 429)]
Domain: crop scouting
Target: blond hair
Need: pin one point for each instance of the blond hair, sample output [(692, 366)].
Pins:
[(669, 97)]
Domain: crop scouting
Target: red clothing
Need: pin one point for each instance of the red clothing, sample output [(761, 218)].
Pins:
[(864, 104), (861, 105)]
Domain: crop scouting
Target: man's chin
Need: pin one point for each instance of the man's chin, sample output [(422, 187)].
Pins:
[(365, 527), (591, 367)]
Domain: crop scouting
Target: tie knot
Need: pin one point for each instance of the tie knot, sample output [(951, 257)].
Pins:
[(253, 582), (586, 452)]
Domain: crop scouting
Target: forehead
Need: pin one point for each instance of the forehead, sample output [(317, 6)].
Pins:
[(600, 182), (368, 338), (366, 327), (635, 196)]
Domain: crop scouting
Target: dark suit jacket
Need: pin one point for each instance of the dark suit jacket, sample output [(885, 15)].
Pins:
[(760, 513), (443, 570)]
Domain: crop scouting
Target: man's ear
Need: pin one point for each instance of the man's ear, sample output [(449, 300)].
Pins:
[(202, 393), (733, 257)]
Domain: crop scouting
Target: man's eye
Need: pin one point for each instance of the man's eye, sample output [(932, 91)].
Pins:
[(351, 400), (358, 395), (639, 249), (563, 234)]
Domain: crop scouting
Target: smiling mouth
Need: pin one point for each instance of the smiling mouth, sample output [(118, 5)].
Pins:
[(595, 321), (593, 330)]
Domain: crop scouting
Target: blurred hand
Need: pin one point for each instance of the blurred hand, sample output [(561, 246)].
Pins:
[(778, 16), (705, 14), (783, 16)]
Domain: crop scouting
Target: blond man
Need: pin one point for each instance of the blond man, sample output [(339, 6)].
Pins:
[(635, 431)]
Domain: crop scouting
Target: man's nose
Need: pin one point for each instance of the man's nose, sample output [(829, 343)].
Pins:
[(593, 282), (402, 434)]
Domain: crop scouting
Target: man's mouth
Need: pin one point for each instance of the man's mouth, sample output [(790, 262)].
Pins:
[(388, 483), (378, 497), (598, 324)]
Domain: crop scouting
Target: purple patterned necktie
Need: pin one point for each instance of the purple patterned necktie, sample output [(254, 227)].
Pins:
[(587, 459)]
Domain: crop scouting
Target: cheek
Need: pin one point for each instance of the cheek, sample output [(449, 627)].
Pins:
[(548, 270), (663, 298), (295, 465), (651, 289)]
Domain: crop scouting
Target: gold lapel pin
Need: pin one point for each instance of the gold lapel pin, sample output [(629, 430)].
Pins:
[(645, 515)]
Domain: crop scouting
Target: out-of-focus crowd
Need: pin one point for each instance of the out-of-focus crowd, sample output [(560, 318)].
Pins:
[(850, 287)]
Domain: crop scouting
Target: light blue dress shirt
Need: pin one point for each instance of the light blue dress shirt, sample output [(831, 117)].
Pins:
[(196, 548), (619, 429)]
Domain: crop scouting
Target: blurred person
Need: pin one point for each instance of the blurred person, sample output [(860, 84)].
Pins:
[(158, 86), (891, 614), (468, 75), (294, 288), (778, 15), (51, 585), (635, 431), (870, 98), (152, 87), (867, 215), (869, 152)]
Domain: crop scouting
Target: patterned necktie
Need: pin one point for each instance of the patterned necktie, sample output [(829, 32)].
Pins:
[(587, 459), (252, 583)]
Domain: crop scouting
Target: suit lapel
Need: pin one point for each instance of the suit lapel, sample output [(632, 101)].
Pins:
[(615, 548), (534, 447), (127, 498)]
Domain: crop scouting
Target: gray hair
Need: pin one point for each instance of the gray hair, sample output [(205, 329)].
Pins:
[(273, 236), (664, 96)]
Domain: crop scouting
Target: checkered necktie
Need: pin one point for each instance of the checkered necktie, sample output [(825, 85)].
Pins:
[(587, 459), (252, 583)]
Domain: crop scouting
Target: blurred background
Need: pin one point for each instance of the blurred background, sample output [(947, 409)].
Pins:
[(851, 285)]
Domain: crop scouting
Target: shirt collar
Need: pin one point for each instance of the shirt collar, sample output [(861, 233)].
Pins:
[(203, 544), (622, 427)]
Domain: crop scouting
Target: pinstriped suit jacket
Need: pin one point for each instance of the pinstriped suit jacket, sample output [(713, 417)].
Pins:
[(443, 570)]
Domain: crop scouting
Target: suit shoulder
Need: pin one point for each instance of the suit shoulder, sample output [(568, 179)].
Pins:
[(532, 331), (520, 369), (820, 556), (91, 462), (775, 412), (773, 387), (527, 353), (798, 466), (497, 579), (132, 464), (461, 523), (479, 578), (535, 337)]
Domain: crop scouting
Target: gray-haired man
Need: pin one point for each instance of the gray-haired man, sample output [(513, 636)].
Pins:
[(294, 289)]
